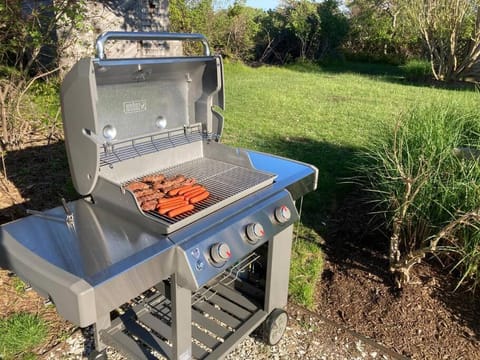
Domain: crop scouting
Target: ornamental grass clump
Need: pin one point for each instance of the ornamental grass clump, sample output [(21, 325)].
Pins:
[(424, 176)]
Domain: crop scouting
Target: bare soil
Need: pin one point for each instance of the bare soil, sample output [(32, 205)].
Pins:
[(426, 320)]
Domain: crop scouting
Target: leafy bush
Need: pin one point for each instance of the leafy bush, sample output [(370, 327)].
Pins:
[(424, 176), (417, 70)]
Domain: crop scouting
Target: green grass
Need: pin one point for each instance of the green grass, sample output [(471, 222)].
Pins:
[(322, 116), (19, 286), (20, 334), (306, 266)]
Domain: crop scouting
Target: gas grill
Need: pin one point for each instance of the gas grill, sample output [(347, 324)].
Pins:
[(154, 285)]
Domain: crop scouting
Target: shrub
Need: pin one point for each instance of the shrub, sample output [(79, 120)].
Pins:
[(417, 70), (424, 176)]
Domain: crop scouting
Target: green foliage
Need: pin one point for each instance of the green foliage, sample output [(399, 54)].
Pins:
[(19, 286), (28, 32), (20, 334), (29, 51), (230, 31), (451, 32), (45, 102), (306, 267), (302, 30), (417, 70), (381, 30), (429, 190)]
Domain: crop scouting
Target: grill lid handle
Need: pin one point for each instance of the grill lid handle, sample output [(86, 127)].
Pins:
[(139, 36)]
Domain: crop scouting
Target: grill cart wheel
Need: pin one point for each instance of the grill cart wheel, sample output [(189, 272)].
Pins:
[(98, 355), (275, 326)]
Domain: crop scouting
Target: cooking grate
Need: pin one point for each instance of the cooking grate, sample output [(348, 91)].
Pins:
[(225, 182)]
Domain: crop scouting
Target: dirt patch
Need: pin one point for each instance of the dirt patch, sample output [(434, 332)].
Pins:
[(426, 320)]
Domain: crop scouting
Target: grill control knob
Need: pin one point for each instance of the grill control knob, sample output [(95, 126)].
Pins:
[(283, 214), (255, 232), (220, 252)]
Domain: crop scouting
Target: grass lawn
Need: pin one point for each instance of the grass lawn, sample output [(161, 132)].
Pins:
[(320, 116)]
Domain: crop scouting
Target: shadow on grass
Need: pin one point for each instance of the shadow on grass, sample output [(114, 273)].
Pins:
[(42, 177), (389, 73), (349, 239)]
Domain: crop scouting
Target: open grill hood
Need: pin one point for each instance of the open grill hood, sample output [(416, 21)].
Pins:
[(113, 104)]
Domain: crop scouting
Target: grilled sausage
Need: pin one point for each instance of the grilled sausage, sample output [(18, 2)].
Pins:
[(194, 193), (180, 210), (199, 197), (191, 188), (180, 190), (166, 208), (170, 199)]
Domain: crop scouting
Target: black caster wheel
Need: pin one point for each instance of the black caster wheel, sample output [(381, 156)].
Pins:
[(275, 326), (98, 355)]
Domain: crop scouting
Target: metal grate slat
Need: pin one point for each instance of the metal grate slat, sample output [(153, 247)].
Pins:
[(128, 345), (210, 324), (218, 314), (227, 306), (236, 297), (147, 337)]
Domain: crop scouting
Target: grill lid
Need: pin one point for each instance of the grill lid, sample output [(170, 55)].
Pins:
[(107, 102)]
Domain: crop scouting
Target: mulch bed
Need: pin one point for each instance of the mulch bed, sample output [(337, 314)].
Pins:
[(427, 319)]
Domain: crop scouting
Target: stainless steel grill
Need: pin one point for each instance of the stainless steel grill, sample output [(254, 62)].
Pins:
[(189, 286)]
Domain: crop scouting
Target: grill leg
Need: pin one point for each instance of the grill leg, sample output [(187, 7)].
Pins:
[(181, 321), (102, 323), (278, 269)]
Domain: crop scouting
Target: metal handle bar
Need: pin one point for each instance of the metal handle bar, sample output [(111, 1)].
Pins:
[(121, 35)]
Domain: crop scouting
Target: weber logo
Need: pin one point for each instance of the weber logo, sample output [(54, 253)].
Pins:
[(134, 106)]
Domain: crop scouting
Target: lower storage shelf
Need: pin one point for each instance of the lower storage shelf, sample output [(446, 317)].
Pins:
[(221, 318)]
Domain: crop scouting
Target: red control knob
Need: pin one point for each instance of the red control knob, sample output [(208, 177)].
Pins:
[(283, 214), (220, 252), (255, 232)]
